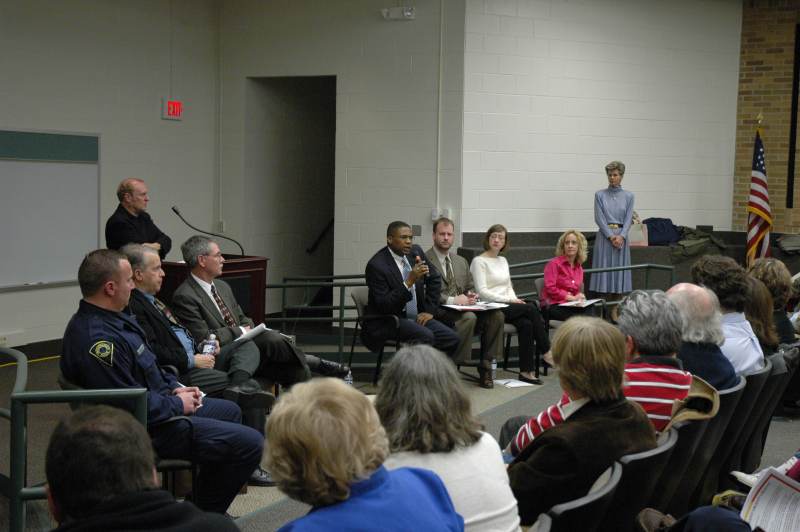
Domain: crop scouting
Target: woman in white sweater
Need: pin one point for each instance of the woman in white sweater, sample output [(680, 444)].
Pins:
[(492, 280), (428, 419)]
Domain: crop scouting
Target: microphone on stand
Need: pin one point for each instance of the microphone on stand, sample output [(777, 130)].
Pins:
[(176, 211)]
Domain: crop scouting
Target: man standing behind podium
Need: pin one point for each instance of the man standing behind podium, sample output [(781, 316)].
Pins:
[(206, 305), (130, 223), (400, 283), (457, 290)]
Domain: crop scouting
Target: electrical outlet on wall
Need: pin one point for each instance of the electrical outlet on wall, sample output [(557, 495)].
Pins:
[(3, 341)]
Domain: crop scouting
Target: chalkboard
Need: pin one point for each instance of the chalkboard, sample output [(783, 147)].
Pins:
[(49, 206)]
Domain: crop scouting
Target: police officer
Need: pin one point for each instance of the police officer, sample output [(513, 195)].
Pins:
[(105, 348)]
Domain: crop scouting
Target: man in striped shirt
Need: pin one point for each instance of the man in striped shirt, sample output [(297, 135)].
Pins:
[(654, 377)]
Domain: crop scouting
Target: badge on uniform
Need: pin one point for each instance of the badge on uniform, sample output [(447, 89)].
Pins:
[(103, 351)]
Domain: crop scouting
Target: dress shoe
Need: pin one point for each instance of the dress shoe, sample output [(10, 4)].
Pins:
[(651, 520), (534, 380), (326, 368), (261, 477), (249, 395), (485, 378)]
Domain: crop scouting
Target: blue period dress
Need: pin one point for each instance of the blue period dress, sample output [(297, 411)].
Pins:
[(612, 206)]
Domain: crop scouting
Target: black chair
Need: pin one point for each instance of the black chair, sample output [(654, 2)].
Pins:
[(690, 433), (728, 400), (585, 513), (774, 390), (360, 295), (730, 449), (166, 467), (640, 473)]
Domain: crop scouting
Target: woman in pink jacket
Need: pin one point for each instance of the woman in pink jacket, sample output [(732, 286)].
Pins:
[(563, 276)]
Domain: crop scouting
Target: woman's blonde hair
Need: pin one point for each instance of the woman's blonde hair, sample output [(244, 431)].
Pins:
[(323, 436), (583, 246), (590, 355), (775, 275)]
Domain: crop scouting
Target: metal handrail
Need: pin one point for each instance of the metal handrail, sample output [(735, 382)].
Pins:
[(14, 485), (529, 263)]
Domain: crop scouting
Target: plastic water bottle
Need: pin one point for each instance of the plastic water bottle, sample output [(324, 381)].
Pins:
[(209, 346), (348, 379), (494, 369)]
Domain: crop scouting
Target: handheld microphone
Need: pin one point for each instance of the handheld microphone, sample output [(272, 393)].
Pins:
[(176, 211)]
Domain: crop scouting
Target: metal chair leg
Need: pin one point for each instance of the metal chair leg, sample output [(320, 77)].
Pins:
[(353, 345), (378, 366)]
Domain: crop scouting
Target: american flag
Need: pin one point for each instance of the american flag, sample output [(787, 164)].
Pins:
[(759, 216)]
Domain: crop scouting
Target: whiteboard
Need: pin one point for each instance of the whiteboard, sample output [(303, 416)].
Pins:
[(49, 219)]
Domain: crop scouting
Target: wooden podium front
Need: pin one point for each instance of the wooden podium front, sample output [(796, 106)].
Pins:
[(247, 276)]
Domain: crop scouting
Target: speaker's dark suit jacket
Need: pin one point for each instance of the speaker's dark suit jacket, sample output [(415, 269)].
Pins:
[(388, 293)]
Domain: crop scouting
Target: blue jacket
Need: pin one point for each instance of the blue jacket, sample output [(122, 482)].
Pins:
[(107, 349)]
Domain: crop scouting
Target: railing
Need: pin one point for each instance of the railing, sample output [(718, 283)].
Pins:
[(342, 282), (14, 486), (325, 231)]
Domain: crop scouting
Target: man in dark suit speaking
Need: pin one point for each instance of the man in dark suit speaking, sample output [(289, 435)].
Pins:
[(400, 283), (206, 305)]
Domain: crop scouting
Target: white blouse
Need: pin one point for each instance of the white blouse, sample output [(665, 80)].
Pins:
[(492, 279)]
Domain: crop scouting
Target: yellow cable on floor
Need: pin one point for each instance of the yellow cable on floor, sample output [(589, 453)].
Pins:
[(43, 359)]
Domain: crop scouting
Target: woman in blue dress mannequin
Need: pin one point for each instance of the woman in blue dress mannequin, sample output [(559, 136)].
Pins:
[(613, 212)]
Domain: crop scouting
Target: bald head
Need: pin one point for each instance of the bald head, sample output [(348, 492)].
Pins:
[(699, 308)]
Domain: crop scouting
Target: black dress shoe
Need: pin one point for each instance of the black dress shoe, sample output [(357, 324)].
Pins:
[(249, 395), (326, 368), (534, 380), (261, 477), (485, 378)]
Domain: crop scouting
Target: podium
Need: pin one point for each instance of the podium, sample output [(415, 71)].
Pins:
[(247, 276)]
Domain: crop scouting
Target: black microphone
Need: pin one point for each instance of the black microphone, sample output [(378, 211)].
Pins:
[(176, 211)]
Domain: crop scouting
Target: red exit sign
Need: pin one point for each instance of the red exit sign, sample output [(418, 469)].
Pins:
[(171, 109)]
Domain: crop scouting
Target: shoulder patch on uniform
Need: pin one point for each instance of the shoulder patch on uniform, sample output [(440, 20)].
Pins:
[(103, 351), (140, 350)]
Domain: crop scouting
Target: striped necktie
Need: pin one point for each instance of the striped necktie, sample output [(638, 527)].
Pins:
[(411, 306), (223, 308)]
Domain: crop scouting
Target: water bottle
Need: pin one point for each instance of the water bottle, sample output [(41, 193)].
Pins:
[(209, 346), (348, 379), (494, 369)]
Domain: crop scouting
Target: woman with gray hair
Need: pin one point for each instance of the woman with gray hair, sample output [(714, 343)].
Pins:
[(428, 418), (654, 378), (613, 214), (702, 335), (326, 449)]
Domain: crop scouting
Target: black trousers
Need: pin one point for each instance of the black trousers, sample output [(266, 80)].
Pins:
[(532, 333)]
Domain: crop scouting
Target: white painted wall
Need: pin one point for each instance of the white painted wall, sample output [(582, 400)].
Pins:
[(386, 102), (93, 66), (556, 89)]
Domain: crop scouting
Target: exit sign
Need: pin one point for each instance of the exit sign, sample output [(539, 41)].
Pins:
[(171, 109)]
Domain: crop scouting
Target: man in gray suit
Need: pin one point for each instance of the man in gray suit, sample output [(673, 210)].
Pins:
[(206, 305), (457, 290)]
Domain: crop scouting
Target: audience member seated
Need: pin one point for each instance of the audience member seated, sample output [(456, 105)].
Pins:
[(654, 378), (759, 312), (563, 462), (702, 335), (173, 345), (429, 422), (493, 283), (401, 284), (104, 347), (728, 281), (703, 519), (206, 305), (131, 222), (326, 449), (563, 276), (101, 476), (775, 275), (457, 286)]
